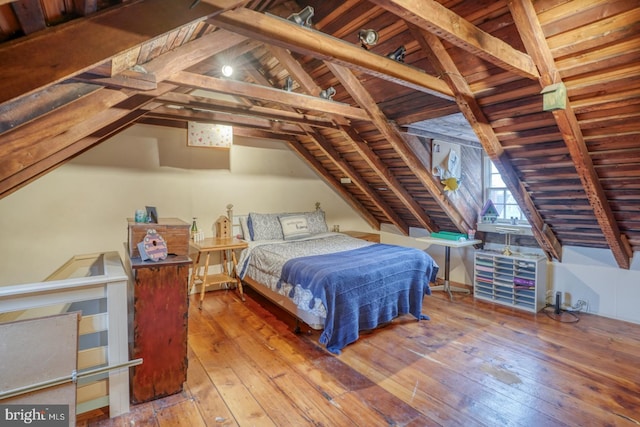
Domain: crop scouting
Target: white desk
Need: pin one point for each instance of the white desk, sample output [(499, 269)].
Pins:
[(448, 244)]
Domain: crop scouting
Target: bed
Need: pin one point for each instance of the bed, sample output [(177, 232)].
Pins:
[(331, 281)]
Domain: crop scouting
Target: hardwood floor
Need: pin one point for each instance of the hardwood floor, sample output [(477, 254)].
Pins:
[(472, 364)]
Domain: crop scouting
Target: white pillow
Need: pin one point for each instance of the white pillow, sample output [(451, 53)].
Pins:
[(244, 226), (294, 227)]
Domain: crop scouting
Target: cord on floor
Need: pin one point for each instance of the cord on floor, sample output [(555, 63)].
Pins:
[(564, 316)]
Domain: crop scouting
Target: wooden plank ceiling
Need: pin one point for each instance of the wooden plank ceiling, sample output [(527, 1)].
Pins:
[(74, 73)]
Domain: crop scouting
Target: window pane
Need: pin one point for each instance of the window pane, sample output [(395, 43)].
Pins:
[(496, 181), (512, 211), (496, 190), (497, 197)]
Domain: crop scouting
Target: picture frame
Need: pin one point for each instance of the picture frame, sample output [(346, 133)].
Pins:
[(152, 214), (209, 135)]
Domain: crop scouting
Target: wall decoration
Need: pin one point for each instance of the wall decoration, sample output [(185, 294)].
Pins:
[(209, 135), (446, 163), (450, 184)]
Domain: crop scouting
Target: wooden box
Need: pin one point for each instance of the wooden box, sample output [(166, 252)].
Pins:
[(160, 306), (174, 231)]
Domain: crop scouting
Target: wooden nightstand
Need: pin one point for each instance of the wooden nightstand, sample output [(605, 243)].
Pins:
[(369, 237), (216, 244)]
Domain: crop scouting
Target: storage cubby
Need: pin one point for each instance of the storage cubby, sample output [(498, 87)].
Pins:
[(515, 280)]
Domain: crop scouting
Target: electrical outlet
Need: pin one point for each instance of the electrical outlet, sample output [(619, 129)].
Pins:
[(580, 305)]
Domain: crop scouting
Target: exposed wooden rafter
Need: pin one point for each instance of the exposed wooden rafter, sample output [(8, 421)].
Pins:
[(471, 109), (30, 150), (437, 19), (207, 104), (310, 87), (43, 59), (532, 35), (84, 126), (248, 90), (335, 184), (394, 137), (307, 41)]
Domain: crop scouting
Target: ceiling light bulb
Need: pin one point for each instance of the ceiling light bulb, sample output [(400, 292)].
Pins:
[(227, 70), (368, 37)]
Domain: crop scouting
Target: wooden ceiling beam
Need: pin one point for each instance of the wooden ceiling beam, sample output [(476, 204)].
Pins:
[(43, 59), (442, 61), (118, 63), (189, 54), (286, 34), (199, 102), (393, 135), (30, 144), (148, 75), (111, 111), (247, 90), (296, 71), (28, 108), (437, 19), (120, 81), (366, 101), (225, 118), (535, 42), (30, 15), (23, 146)]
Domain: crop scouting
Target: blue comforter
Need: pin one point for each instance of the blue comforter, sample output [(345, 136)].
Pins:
[(363, 288)]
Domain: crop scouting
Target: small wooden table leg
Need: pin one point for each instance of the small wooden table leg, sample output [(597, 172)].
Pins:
[(194, 272), (229, 272), (235, 274), (204, 278), (225, 261)]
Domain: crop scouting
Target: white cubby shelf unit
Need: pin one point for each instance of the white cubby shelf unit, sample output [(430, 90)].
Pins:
[(518, 281)]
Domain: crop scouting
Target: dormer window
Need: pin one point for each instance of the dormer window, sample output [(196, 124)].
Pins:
[(496, 190)]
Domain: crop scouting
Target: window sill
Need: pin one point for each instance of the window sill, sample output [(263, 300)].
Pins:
[(505, 228)]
